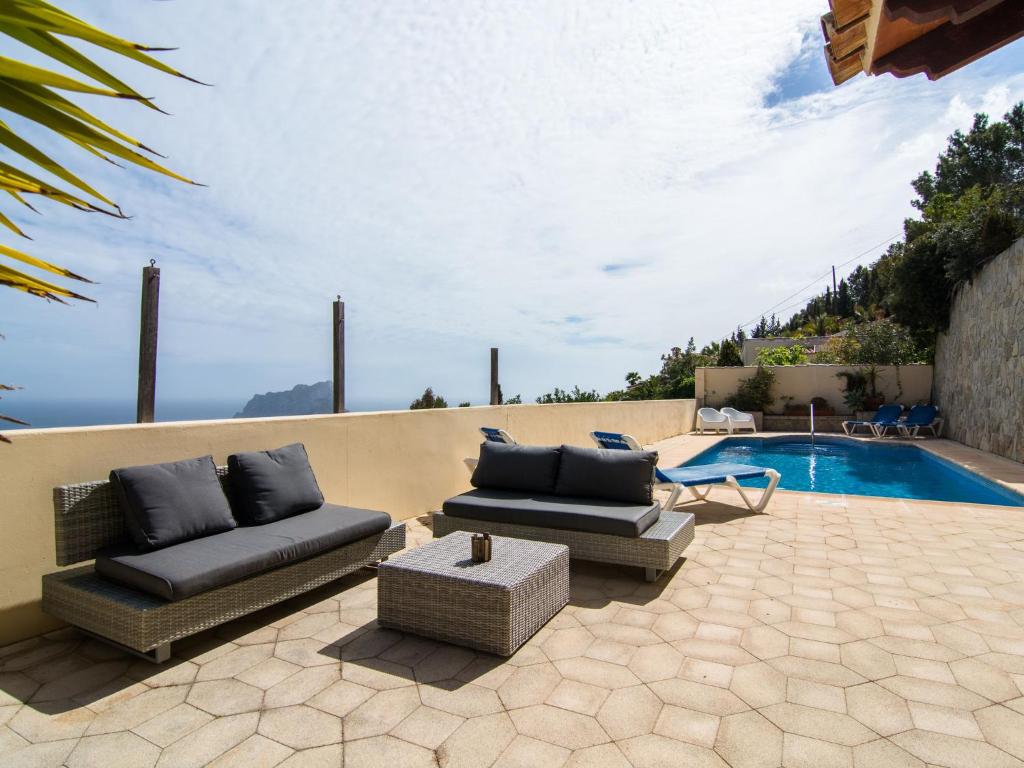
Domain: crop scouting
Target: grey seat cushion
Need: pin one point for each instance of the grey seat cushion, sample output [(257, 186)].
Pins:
[(615, 518), (607, 474), (516, 467), (271, 485), (192, 567), (165, 504)]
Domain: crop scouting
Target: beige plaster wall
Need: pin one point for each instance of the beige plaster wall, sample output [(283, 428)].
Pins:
[(714, 386), (404, 462)]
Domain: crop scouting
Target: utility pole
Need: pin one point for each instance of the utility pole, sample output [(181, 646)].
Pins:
[(835, 293), (338, 335), (495, 387), (148, 321)]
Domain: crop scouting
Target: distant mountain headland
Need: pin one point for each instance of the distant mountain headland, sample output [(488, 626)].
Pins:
[(300, 400)]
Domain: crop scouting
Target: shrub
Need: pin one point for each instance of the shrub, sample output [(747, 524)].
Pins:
[(755, 393), (428, 400)]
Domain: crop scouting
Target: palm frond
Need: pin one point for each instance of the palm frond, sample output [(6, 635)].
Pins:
[(32, 93)]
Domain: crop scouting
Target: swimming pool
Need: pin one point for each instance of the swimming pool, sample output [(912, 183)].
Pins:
[(840, 465)]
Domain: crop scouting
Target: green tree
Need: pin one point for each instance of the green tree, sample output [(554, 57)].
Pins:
[(576, 396), (794, 355), (729, 354), (880, 342), (428, 400), (755, 392)]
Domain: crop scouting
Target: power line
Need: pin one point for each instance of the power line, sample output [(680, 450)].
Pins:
[(816, 280)]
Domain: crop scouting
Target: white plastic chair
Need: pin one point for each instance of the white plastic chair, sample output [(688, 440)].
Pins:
[(739, 419), (709, 418)]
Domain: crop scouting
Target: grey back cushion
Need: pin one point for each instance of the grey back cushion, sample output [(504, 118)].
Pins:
[(516, 467), (270, 485), (605, 474), (166, 504)]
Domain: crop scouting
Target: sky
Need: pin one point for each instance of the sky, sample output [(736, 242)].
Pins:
[(583, 184)]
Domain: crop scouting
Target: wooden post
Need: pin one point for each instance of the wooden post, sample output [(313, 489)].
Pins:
[(495, 387), (339, 355), (149, 317)]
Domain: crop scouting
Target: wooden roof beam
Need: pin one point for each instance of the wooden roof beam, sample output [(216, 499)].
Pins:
[(925, 11), (951, 46)]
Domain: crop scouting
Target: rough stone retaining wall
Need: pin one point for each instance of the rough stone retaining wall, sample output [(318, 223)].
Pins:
[(979, 361)]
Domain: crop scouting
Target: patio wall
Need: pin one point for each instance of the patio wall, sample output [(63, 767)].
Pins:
[(404, 462), (979, 361), (715, 386)]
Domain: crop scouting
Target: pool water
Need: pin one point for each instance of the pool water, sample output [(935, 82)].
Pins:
[(839, 465)]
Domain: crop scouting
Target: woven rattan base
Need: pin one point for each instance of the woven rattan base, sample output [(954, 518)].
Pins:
[(437, 591), (142, 622), (655, 551)]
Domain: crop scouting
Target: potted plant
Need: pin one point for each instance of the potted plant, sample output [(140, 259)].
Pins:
[(821, 407)]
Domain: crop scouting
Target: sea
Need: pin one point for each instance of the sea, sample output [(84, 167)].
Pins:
[(86, 413)]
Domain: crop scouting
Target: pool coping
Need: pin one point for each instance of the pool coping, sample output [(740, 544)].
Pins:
[(1004, 472)]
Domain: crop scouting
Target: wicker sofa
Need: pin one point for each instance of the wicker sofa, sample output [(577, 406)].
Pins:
[(143, 599), (599, 503)]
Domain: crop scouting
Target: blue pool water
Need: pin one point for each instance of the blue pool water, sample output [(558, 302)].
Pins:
[(839, 465)]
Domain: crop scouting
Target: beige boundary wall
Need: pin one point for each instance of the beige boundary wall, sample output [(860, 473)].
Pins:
[(979, 361), (714, 386), (404, 462)]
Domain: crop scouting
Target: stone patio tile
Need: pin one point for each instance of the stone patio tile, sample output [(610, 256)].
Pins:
[(1003, 728), (340, 698), (818, 724), (879, 709), (558, 726), (210, 741), (612, 651), (823, 672), (525, 752), (529, 685), (954, 722), (811, 694), (629, 712), (16, 688), (308, 625), (268, 673), (462, 699), (167, 727), (765, 642), (675, 626), (300, 727), (225, 697), (137, 710), (234, 663), (688, 725), (174, 672), (382, 712), (802, 752), (86, 678), (387, 752), (601, 756), (600, 673), (758, 684), (50, 754), (377, 674), (444, 663), (427, 727), (990, 682), (51, 721), (308, 652), (953, 752), (301, 686), (478, 741), (703, 698), (653, 751), (931, 692), (715, 650), (255, 752), (927, 669), (748, 740), (883, 754), (655, 662), (318, 757), (578, 697)]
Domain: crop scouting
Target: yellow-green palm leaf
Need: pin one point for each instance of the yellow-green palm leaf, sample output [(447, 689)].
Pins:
[(34, 93)]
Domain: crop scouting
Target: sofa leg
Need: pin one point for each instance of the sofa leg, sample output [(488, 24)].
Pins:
[(651, 574), (157, 655)]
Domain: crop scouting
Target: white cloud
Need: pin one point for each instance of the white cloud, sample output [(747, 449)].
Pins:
[(461, 172)]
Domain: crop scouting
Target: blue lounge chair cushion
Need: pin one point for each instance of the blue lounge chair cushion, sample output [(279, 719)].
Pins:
[(165, 504), (192, 567), (272, 485), (598, 473), (709, 474), (590, 514), (516, 467)]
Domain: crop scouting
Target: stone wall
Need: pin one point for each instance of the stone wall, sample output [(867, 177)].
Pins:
[(979, 361)]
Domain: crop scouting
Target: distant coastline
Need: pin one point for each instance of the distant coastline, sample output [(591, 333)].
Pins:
[(43, 414)]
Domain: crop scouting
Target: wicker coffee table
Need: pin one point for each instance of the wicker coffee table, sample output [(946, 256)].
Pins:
[(437, 591)]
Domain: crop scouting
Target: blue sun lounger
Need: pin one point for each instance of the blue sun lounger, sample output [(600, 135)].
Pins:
[(694, 478), (492, 435), (887, 413), (920, 417)]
